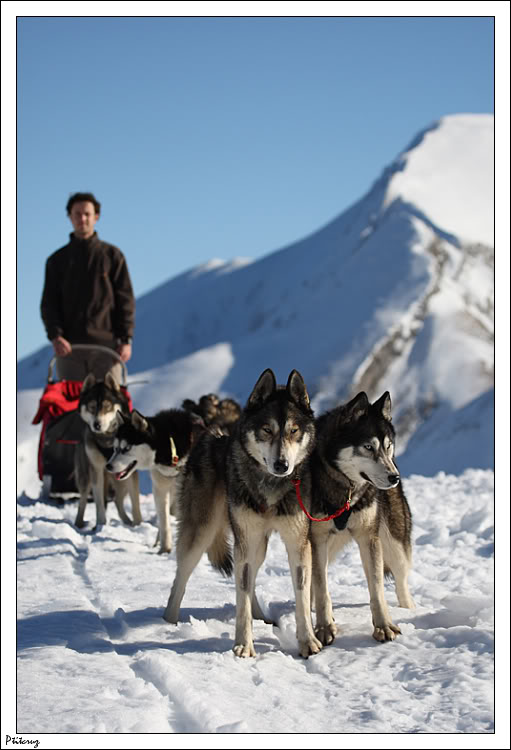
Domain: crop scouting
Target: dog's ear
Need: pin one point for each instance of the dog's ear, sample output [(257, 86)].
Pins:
[(89, 381), (138, 421), (189, 405), (383, 406), (298, 390), (111, 382), (357, 407), (263, 389)]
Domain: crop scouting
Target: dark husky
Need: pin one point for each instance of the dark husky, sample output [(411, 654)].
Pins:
[(246, 482), (354, 459), (218, 415), (100, 406), (160, 444)]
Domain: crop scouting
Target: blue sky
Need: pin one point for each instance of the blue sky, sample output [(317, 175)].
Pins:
[(221, 137)]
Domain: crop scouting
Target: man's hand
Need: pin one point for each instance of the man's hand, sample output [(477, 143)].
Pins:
[(124, 352), (61, 346)]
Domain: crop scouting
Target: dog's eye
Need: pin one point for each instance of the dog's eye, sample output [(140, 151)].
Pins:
[(294, 430), (369, 447), (267, 430), (92, 406), (126, 449)]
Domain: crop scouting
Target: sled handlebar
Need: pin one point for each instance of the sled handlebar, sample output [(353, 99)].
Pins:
[(96, 348)]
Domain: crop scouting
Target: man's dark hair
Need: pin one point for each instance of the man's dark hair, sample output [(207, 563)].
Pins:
[(80, 198)]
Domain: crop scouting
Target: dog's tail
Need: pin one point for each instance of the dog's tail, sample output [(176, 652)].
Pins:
[(220, 553)]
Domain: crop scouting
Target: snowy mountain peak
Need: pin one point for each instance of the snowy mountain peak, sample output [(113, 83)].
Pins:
[(448, 174)]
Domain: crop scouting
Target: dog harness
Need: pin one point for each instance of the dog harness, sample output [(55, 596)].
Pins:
[(339, 523)]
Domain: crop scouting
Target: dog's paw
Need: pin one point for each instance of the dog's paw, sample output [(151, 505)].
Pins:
[(165, 550), (387, 632), (309, 648), (244, 650), (326, 633), (80, 523)]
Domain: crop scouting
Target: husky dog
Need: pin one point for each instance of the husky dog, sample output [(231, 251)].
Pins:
[(246, 481), (101, 405), (160, 444), (219, 415), (206, 408), (354, 459), (228, 413)]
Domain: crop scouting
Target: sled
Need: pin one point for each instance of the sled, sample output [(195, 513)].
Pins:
[(62, 429)]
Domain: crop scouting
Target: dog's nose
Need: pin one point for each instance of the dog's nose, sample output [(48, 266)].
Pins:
[(109, 467), (281, 466), (97, 425), (394, 479)]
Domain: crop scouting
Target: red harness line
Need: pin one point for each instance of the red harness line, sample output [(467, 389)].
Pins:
[(346, 505)]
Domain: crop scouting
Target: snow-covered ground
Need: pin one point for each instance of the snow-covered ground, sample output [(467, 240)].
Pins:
[(95, 656)]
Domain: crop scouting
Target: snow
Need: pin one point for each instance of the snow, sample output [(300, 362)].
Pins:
[(183, 378), (446, 437), (95, 656), (446, 195)]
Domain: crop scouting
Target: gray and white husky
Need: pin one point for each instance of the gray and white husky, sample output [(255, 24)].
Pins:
[(245, 483), (100, 406), (161, 445), (354, 459)]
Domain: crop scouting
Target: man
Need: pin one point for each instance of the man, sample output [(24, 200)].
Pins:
[(87, 297)]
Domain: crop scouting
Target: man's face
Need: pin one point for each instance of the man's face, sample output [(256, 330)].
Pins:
[(83, 218)]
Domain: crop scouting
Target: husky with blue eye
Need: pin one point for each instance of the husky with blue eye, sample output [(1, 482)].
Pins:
[(160, 444), (354, 461)]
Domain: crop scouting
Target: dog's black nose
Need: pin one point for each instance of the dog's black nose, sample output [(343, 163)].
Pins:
[(281, 466), (394, 478), (97, 425), (109, 467)]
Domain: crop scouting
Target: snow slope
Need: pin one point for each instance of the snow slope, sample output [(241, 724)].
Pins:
[(395, 294)]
